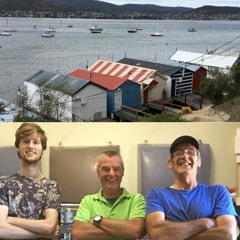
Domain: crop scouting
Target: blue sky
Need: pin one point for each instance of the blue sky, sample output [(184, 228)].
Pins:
[(175, 3)]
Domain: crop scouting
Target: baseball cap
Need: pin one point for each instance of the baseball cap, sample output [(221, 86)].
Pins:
[(184, 139)]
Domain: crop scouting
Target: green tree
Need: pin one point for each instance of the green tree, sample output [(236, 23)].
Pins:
[(217, 86), (235, 76), (2, 107)]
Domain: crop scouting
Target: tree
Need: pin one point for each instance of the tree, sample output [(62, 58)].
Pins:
[(2, 107), (46, 105), (217, 86), (235, 76)]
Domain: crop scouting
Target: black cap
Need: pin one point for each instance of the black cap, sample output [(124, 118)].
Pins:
[(184, 139)]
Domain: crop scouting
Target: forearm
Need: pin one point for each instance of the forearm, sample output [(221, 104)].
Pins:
[(12, 232), (42, 226), (166, 230), (218, 233), (87, 231), (130, 229)]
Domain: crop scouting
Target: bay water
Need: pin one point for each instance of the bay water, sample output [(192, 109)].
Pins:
[(26, 52)]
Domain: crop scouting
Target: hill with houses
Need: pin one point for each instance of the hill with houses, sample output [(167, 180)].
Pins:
[(100, 9)]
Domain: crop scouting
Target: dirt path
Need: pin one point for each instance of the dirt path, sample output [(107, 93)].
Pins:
[(206, 114)]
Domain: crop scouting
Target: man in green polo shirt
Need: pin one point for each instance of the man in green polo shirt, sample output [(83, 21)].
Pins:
[(113, 212)]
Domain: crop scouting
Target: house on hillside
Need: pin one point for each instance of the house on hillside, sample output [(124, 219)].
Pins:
[(151, 82), (71, 98), (209, 61), (120, 91)]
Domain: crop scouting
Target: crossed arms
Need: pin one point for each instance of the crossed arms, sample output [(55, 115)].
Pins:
[(222, 228), (21, 228), (108, 229)]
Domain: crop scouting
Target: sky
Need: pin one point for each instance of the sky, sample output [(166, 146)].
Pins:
[(182, 3)]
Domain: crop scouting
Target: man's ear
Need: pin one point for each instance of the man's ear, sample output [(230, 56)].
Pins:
[(199, 162), (170, 163)]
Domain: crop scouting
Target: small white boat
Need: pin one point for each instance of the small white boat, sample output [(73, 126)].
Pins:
[(5, 34), (69, 23), (95, 28), (7, 29), (156, 34), (95, 31), (50, 29), (10, 30), (47, 34), (132, 29), (139, 28)]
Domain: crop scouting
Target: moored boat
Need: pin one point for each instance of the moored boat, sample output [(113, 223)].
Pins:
[(156, 34)]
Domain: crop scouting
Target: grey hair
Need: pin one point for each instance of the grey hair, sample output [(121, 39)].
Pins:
[(109, 153)]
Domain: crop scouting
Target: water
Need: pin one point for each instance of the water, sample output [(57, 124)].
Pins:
[(26, 52)]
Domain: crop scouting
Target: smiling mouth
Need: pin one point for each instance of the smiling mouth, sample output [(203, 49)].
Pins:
[(184, 164)]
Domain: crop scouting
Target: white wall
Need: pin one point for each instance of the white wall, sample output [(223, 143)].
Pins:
[(220, 136)]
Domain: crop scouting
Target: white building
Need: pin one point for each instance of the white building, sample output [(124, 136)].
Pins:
[(75, 99)]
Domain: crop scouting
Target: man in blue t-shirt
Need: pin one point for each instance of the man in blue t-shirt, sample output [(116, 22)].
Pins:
[(188, 209)]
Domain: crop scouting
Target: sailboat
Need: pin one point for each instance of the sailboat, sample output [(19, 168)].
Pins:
[(156, 34), (7, 29), (48, 32), (132, 29), (69, 24), (5, 34)]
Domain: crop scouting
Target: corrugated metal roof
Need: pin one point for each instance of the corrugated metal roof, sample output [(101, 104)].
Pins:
[(107, 81), (64, 83), (120, 70), (208, 60), (161, 68)]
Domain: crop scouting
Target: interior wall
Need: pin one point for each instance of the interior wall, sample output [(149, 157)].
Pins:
[(220, 137)]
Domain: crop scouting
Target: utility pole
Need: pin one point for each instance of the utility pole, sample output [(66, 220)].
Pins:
[(20, 94)]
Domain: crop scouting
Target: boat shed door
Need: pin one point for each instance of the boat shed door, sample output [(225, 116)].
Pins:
[(118, 99)]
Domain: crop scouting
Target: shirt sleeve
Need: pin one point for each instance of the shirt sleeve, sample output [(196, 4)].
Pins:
[(3, 191), (84, 212), (138, 207), (54, 196), (153, 202), (224, 204)]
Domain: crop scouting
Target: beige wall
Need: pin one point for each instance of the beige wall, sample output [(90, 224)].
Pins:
[(220, 136)]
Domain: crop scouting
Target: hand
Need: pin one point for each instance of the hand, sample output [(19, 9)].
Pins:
[(57, 231)]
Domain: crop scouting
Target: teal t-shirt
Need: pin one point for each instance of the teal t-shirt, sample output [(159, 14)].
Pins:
[(127, 206)]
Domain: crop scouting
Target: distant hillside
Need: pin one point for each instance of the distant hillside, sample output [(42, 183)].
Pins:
[(99, 9), (85, 5), (211, 10), (25, 5)]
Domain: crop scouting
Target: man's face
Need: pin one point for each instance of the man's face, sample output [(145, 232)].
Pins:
[(30, 148), (110, 172), (185, 159)]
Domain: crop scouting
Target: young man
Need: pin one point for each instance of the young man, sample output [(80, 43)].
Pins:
[(29, 203), (188, 209), (112, 213)]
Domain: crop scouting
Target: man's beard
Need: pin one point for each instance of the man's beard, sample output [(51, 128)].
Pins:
[(32, 161)]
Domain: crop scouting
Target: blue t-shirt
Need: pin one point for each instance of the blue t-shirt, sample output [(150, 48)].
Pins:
[(204, 201)]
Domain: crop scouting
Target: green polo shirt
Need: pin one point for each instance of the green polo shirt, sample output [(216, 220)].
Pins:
[(127, 206)]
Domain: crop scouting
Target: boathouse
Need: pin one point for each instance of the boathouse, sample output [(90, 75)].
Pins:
[(75, 99), (120, 91)]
